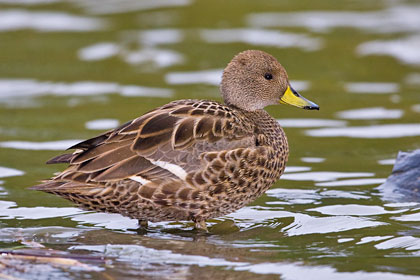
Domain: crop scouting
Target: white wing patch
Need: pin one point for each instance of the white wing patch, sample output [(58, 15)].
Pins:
[(173, 168), (139, 179)]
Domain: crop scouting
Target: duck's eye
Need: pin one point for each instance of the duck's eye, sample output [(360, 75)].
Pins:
[(268, 76)]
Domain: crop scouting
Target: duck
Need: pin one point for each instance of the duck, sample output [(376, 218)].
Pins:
[(188, 160)]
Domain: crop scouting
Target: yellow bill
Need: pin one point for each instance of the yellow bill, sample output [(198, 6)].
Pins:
[(292, 97)]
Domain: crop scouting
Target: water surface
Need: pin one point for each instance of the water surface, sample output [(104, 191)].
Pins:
[(72, 69)]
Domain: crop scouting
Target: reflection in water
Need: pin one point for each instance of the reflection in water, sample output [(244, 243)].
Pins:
[(11, 20), (259, 37), (370, 132), (144, 259), (375, 113), (369, 87)]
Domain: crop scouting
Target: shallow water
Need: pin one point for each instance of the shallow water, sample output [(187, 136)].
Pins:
[(71, 69)]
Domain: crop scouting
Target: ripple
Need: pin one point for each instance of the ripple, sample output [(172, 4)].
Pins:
[(310, 123), (413, 79), (159, 57), (11, 20), (370, 132), (403, 18), (390, 161), (19, 88), (292, 169), (28, 2), (9, 172), (404, 50), (344, 240), (261, 37), (408, 218), (139, 48), (106, 220), (6, 204), (353, 210), (370, 87), (248, 216), (155, 37), (305, 224), (405, 242), (37, 146), (35, 213), (48, 234), (375, 113), (293, 196), (354, 182), (323, 176), (368, 239), (401, 204), (101, 124), (343, 194), (98, 51), (138, 254), (142, 257), (298, 196), (100, 7), (312, 159)]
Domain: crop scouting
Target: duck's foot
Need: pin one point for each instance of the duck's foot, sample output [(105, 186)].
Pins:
[(201, 225), (143, 223)]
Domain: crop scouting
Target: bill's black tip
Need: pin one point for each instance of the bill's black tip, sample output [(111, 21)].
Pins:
[(311, 108)]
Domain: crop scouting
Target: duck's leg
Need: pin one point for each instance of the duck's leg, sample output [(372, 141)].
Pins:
[(201, 225), (143, 223)]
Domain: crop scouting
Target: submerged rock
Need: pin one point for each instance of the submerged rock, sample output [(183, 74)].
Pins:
[(404, 182)]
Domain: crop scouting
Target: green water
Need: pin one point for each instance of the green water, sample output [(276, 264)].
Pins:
[(64, 64)]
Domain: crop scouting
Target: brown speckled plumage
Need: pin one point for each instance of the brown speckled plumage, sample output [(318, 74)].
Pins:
[(189, 159)]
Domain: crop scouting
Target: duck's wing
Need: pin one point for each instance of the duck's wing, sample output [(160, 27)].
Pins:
[(167, 143)]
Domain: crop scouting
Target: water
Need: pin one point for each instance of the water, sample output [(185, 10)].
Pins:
[(71, 69)]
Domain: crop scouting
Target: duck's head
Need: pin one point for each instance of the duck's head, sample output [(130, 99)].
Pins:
[(254, 79)]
